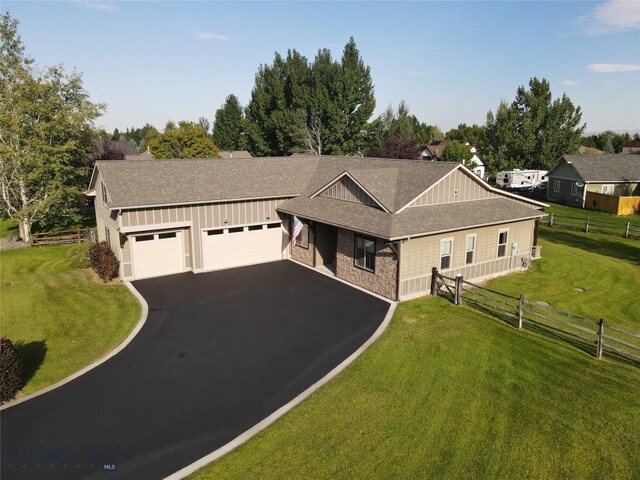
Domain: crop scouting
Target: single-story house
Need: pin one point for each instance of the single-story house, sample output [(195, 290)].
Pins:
[(585, 180), (632, 147), (433, 151), (380, 224)]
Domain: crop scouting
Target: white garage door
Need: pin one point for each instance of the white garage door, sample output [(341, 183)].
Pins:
[(156, 254), (234, 247)]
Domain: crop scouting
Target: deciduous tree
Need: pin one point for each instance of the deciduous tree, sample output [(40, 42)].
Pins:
[(188, 140), (46, 135)]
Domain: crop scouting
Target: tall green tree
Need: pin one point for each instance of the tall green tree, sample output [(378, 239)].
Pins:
[(358, 99), (319, 107), (228, 126), (467, 133), (46, 136), (543, 129), (188, 140)]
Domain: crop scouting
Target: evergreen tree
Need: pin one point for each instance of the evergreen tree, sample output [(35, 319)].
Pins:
[(228, 127), (116, 135), (532, 132)]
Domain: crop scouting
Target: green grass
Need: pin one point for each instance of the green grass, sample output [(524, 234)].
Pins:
[(7, 227), (618, 223), (607, 268), (61, 319), (448, 393)]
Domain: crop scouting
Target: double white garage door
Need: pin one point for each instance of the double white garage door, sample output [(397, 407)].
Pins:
[(235, 247), (162, 253)]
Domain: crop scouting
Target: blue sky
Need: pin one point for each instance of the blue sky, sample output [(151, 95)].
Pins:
[(452, 62)]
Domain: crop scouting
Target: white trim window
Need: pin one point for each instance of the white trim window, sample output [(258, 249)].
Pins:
[(103, 189), (302, 240), (607, 189), (574, 189), (107, 235), (365, 253), (503, 238), (446, 252), (470, 254), (556, 186)]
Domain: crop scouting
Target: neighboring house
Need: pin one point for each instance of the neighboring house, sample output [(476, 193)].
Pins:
[(433, 151), (235, 154), (585, 180), (142, 156), (632, 147), (380, 224)]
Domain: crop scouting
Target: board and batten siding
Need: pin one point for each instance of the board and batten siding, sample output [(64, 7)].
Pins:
[(420, 255), (193, 219), (347, 189), (455, 187)]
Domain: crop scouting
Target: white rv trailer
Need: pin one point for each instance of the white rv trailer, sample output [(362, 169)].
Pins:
[(520, 178)]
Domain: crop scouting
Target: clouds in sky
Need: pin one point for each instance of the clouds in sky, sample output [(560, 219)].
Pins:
[(611, 16), (96, 5), (569, 83), (613, 67), (210, 36)]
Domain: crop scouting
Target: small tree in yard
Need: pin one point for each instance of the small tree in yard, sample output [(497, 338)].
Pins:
[(104, 261), (456, 152), (10, 370)]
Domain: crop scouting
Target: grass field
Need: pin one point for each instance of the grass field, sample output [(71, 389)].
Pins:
[(607, 268), (600, 220), (448, 393), (61, 319)]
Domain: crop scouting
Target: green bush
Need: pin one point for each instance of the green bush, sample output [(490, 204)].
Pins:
[(10, 370), (104, 261), (79, 255)]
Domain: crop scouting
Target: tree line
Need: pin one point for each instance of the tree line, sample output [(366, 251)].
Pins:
[(48, 140)]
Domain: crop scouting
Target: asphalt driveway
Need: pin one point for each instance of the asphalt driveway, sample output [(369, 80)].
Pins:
[(219, 352)]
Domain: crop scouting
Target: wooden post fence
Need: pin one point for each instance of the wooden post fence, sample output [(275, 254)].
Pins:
[(520, 310), (626, 232), (551, 220), (434, 282), (586, 227), (457, 298), (600, 342)]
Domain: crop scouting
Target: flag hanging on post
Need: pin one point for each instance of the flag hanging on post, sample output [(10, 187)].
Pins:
[(297, 228)]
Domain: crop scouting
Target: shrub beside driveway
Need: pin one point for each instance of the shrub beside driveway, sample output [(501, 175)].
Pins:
[(60, 318)]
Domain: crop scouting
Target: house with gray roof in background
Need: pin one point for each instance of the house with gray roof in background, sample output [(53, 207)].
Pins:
[(381, 224), (596, 182)]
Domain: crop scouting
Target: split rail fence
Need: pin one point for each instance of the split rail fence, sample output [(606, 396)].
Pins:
[(585, 224), (591, 336), (60, 238)]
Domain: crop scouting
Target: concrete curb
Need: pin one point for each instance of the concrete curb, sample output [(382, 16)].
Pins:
[(115, 351), (242, 438)]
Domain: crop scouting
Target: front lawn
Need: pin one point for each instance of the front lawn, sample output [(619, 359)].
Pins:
[(61, 319), (448, 393), (600, 220)]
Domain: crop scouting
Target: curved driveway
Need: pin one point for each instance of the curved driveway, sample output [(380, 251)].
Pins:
[(219, 352)]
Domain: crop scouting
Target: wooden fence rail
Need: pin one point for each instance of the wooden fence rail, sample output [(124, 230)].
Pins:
[(588, 224), (59, 238), (582, 332)]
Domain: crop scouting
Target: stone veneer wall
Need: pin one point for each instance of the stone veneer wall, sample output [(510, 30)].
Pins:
[(383, 281), (304, 255)]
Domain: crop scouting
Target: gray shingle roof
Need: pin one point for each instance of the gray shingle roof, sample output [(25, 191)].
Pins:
[(394, 183), (606, 168), (411, 221), (234, 154)]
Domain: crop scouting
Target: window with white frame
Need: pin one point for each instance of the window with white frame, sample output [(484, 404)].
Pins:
[(503, 236), (471, 250), (107, 235), (556, 186), (574, 189), (103, 187), (607, 189), (302, 240), (446, 249), (365, 253)]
